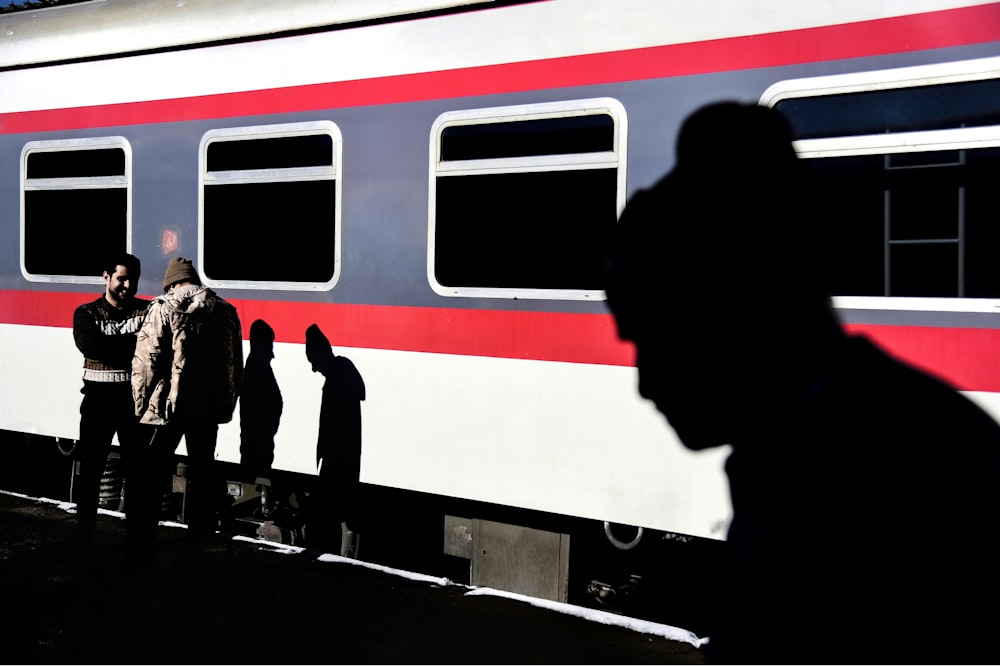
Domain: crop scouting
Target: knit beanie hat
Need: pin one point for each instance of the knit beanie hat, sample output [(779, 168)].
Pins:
[(180, 270)]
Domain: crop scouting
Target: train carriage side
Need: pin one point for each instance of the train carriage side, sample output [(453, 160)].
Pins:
[(440, 218)]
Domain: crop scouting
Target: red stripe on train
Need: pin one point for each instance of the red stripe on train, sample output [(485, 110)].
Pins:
[(955, 27), (546, 336), (966, 357)]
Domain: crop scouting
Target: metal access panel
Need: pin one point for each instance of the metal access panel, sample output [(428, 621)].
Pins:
[(520, 560)]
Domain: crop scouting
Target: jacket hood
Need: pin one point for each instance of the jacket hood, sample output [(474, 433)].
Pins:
[(192, 299)]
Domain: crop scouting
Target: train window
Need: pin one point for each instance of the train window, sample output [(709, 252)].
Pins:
[(523, 198), (915, 224), (910, 109), (270, 206), (75, 207), (907, 162)]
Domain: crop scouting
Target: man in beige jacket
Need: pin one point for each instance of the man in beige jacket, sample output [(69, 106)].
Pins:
[(186, 379)]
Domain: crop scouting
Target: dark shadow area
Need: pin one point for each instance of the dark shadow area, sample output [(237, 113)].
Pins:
[(244, 603), (862, 487), (36, 466)]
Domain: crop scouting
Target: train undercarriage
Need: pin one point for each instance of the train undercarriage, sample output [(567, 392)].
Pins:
[(647, 574)]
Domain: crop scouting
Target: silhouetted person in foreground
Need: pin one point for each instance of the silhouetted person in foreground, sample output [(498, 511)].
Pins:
[(260, 414), (334, 523), (865, 492)]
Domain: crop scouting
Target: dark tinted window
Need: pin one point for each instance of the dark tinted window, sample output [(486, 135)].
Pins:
[(271, 153), (528, 138), (278, 225), (69, 232), (543, 230), (76, 163), (76, 213), (537, 216), (966, 104), (921, 225), (270, 232)]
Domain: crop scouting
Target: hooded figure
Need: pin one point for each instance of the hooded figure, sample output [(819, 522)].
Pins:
[(338, 446)]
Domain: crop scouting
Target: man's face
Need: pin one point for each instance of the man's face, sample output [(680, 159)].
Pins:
[(688, 367), (679, 381), (120, 286)]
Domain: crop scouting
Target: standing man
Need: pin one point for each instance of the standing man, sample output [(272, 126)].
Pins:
[(864, 491), (186, 378), (334, 525), (105, 332)]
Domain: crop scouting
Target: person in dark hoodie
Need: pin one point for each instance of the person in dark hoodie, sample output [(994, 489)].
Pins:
[(863, 490), (335, 520), (260, 414), (187, 375)]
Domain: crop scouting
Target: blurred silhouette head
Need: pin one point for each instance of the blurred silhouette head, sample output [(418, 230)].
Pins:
[(710, 276), (261, 337), (319, 353)]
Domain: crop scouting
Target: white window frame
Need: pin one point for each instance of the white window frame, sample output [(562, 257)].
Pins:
[(899, 142), (615, 158), (74, 183), (296, 174)]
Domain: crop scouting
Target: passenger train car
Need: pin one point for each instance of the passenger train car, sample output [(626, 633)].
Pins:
[(432, 182)]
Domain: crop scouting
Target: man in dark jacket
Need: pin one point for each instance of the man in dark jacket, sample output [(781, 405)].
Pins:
[(864, 491), (105, 333), (186, 378)]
